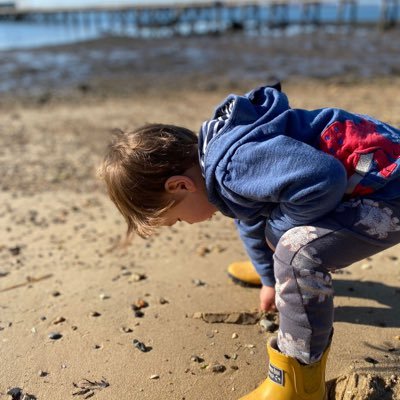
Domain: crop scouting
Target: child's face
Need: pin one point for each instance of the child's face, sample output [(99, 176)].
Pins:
[(191, 208), (190, 196)]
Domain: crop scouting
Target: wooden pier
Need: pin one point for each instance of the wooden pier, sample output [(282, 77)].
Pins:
[(208, 17)]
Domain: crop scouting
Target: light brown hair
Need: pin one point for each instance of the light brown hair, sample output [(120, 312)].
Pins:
[(136, 167)]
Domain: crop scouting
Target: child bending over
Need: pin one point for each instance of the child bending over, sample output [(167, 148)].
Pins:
[(310, 192)]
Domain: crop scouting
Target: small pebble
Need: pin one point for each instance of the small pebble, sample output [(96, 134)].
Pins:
[(203, 251), (366, 266), (197, 359), (137, 307), (141, 346), (104, 296), (15, 251), (268, 326), (234, 367), (140, 303), (139, 314), (155, 376), (59, 320), (136, 277), (55, 293), (125, 329), (162, 300), (43, 373), (94, 314), (198, 282), (371, 360), (15, 393), (235, 335), (55, 335), (218, 368)]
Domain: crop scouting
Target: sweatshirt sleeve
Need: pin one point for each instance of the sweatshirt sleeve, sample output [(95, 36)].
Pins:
[(252, 235), (300, 182)]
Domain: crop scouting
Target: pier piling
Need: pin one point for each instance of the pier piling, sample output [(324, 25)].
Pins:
[(205, 17)]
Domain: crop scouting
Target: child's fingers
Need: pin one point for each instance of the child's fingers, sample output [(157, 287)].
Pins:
[(267, 305), (267, 299)]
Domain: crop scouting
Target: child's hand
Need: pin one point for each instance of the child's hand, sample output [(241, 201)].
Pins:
[(267, 298)]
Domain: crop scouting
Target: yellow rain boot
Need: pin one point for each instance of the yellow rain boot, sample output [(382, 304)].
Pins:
[(244, 273), (289, 380)]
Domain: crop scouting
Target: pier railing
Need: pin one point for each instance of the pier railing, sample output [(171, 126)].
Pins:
[(211, 17)]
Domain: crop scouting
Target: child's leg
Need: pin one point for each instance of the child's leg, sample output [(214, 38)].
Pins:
[(305, 256)]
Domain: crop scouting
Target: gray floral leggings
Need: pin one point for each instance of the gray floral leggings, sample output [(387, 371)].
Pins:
[(305, 256)]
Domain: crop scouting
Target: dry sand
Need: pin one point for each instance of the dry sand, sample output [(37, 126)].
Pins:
[(62, 271)]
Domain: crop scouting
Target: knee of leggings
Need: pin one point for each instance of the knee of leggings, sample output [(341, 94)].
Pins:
[(295, 249)]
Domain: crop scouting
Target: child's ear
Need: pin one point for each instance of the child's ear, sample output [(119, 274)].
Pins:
[(179, 183)]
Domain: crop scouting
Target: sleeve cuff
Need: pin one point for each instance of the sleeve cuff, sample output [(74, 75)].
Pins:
[(268, 280)]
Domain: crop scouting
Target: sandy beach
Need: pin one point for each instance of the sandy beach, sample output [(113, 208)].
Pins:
[(82, 316)]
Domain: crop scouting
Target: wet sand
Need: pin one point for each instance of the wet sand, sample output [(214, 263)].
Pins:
[(63, 272), (125, 66)]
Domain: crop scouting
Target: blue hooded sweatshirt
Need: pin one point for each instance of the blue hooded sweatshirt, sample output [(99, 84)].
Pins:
[(273, 168)]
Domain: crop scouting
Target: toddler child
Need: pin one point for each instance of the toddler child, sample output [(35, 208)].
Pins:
[(310, 192)]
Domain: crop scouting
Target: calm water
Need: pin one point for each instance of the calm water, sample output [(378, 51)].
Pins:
[(16, 35)]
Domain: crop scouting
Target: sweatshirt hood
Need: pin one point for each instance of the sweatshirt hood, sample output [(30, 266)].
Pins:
[(236, 120)]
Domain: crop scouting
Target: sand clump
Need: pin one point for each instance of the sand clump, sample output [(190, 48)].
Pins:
[(362, 386)]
